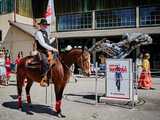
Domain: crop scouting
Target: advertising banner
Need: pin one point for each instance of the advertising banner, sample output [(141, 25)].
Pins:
[(119, 79)]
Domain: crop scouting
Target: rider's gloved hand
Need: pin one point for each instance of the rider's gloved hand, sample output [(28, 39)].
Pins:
[(55, 53), (54, 50)]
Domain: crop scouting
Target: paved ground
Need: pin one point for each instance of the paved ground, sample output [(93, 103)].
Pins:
[(78, 103)]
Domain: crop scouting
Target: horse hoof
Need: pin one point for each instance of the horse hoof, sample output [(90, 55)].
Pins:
[(29, 113), (60, 115)]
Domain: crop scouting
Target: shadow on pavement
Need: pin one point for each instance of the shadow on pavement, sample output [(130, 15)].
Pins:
[(14, 96), (36, 108), (152, 104), (81, 98)]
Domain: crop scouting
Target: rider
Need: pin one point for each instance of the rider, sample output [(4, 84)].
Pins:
[(43, 44)]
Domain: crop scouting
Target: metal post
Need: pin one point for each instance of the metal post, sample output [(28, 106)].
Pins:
[(94, 53), (51, 94), (96, 78), (133, 78), (14, 10), (135, 83), (46, 96)]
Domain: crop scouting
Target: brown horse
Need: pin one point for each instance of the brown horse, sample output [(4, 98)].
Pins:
[(60, 74)]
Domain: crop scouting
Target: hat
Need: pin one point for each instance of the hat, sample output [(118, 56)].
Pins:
[(43, 22), (69, 47), (146, 55)]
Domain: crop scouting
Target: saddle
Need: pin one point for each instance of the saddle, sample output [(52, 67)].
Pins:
[(33, 62)]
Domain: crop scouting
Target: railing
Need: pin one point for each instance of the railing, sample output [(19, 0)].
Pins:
[(115, 18), (74, 21), (149, 15), (110, 18)]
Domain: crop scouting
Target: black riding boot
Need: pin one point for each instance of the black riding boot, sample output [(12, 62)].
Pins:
[(44, 70)]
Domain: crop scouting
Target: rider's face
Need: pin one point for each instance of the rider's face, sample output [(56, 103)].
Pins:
[(44, 27)]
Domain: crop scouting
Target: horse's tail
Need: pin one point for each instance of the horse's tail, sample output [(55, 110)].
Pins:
[(20, 73)]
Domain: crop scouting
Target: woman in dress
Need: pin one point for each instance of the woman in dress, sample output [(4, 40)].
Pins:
[(145, 81), (8, 68)]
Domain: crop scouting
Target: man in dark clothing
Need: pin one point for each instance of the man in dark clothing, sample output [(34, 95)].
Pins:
[(43, 46)]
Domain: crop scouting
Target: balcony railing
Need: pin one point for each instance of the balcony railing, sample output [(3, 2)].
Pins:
[(75, 21), (111, 18), (149, 15), (114, 18)]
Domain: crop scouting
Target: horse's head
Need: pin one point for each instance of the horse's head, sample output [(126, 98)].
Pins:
[(84, 62)]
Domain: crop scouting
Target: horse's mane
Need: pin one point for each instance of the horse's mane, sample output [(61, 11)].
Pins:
[(65, 53), (73, 49)]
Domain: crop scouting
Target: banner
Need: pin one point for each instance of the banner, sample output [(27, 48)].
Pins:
[(50, 12), (119, 78)]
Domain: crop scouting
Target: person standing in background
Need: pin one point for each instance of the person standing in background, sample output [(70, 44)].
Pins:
[(18, 59), (8, 68), (145, 81), (139, 65), (2, 67)]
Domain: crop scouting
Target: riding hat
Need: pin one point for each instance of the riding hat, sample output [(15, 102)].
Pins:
[(43, 22)]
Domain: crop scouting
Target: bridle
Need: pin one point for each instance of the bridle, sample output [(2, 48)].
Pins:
[(83, 60)]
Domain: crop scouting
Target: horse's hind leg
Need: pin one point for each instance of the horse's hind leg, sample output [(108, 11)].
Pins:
[(19, 89), (28, 86)]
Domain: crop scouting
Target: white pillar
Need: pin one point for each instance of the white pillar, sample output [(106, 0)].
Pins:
[(137, 17), (93, 20)]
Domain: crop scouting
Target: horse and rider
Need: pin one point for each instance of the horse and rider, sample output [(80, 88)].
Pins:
[(58, 71)]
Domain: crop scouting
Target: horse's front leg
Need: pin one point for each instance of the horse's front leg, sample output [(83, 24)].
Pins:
[(28, 86), (59, 92)]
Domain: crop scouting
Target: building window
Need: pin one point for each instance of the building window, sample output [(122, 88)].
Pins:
[(74, 21), (24, 7), (6, 6), (106, 4), (115, 18), (149, 2), (70, 6), (31, 8), (150, 15), (0, 35), (39, 8)]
